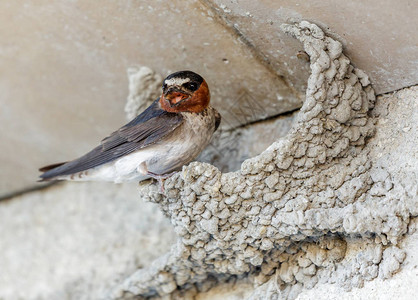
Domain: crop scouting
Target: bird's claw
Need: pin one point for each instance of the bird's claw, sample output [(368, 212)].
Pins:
[(160, 178)]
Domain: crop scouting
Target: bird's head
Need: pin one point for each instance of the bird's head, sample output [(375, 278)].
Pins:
[(184, 91)]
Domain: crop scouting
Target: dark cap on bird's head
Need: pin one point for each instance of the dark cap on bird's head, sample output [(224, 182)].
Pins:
[(184, 91)]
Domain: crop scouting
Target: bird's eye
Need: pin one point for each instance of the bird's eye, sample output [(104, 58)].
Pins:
[(164, 86), (192, 86)]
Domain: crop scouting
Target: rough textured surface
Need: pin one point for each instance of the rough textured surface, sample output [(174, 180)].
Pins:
[(403, 285), (311, 202)]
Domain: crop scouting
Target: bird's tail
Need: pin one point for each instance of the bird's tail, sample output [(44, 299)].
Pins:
[(48, 168)]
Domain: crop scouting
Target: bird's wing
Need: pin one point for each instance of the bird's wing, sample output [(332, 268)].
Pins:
[(146, 129), (217, 119)]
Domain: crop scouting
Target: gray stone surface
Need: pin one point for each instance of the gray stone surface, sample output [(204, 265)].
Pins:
[(76, 240), (403, 285), (378, 36)]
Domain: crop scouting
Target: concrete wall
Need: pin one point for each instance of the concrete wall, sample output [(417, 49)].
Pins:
[(64, 87), (64, 79)]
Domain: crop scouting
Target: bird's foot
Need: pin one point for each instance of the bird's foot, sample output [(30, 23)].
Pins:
[(160, 178)]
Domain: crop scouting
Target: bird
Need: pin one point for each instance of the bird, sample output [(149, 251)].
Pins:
[(167, 135)]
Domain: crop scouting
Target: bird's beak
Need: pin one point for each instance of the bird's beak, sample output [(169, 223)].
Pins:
[(175, 95)]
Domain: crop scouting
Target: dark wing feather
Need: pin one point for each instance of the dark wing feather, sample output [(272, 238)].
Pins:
[(149, 127), (50, 167), (217, 119)]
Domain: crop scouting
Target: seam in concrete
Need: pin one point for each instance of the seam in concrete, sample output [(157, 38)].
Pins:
[(259, 55), (30, 189), (397, 90), (260, 121)]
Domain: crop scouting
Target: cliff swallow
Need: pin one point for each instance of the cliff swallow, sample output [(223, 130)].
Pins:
[(170, 133)]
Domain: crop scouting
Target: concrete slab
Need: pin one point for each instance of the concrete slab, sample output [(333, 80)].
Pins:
[(64, 83), (379, 36), (77, 240)]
